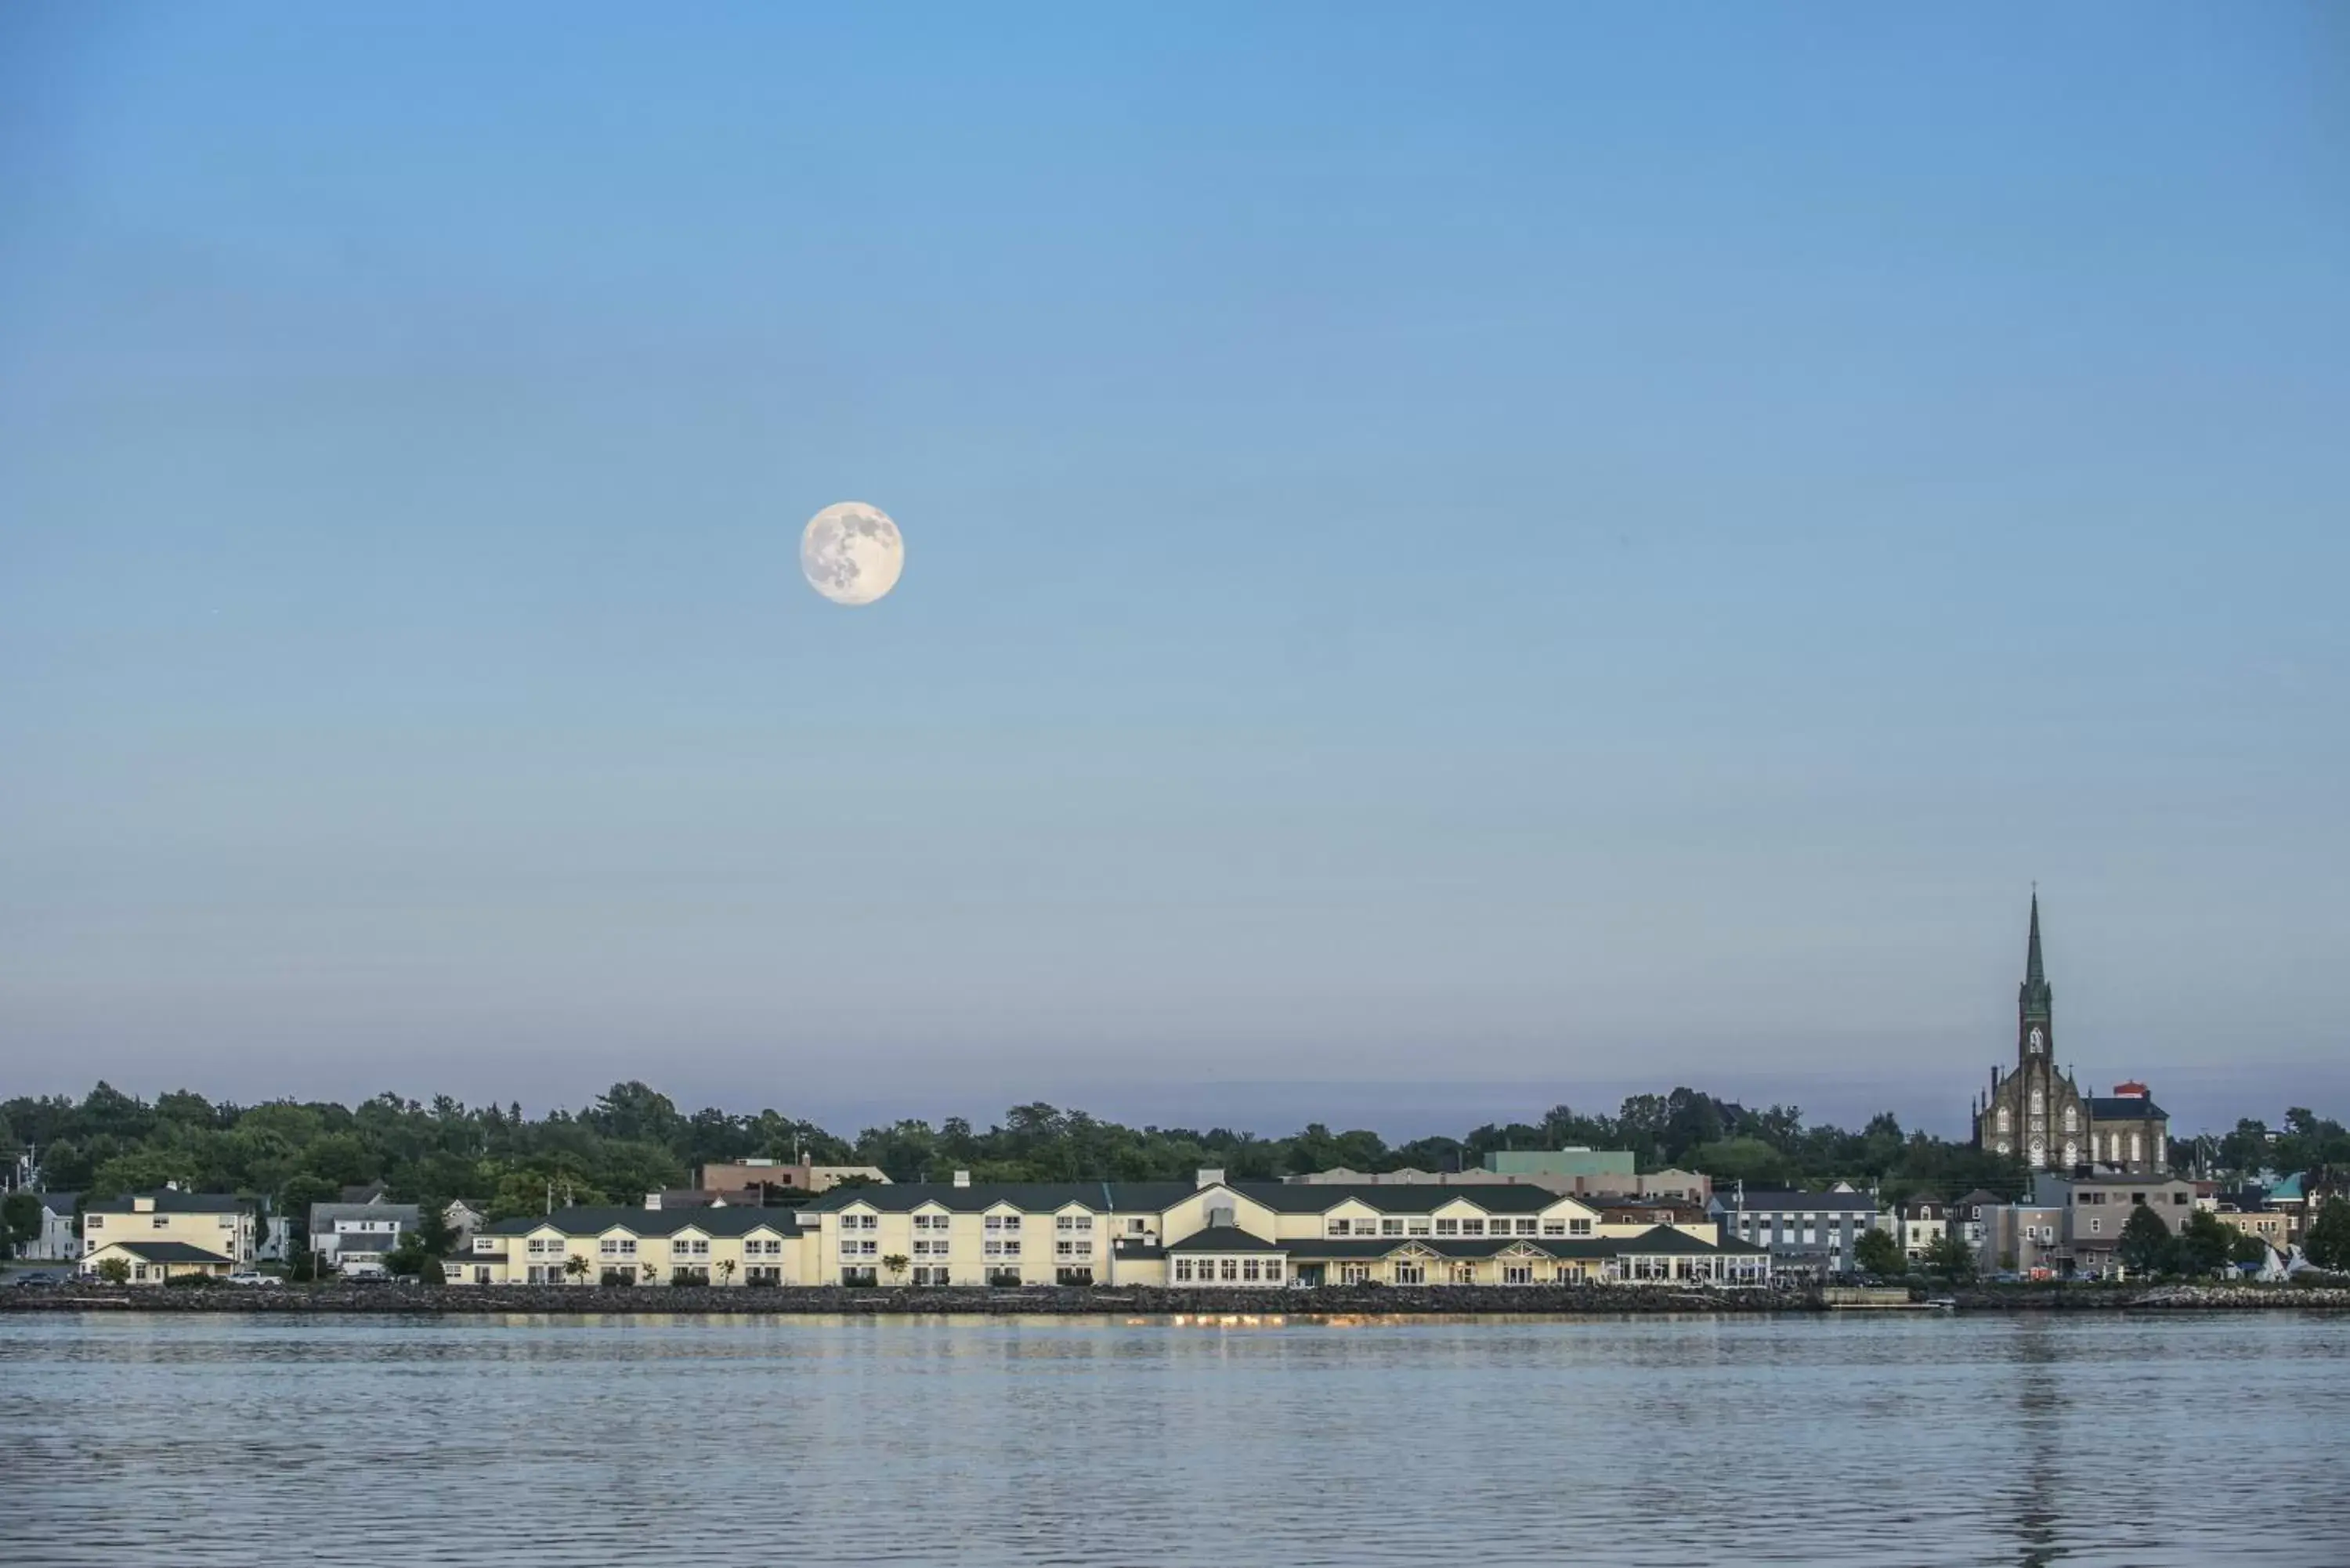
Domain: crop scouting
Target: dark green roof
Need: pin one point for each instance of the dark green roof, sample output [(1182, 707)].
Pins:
[(170, 1203), (1223, 1239), (170, 1253), (731, 1220)]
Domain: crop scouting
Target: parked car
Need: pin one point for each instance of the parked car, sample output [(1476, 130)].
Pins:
[(34, 1280), (248, 1277)]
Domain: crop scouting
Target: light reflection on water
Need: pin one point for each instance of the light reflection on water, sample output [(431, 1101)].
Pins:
[(1213, 1440)]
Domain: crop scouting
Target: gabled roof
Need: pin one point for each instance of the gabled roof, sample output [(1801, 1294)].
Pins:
[(731, 1220), (166, 1252), (2125, 1109), (61, 1203), (170, 1203)]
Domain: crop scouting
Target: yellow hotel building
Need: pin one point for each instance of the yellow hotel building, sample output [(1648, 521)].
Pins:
[(1208, 1234)]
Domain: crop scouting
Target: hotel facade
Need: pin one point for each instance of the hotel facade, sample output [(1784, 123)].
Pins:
[(1210, 1233)]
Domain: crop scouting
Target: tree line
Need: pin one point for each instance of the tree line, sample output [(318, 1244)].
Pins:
[(632, 1139)]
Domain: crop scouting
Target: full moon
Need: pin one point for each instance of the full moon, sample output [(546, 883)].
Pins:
[(851, 553)]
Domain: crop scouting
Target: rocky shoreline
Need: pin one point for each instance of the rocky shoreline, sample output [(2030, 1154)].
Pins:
[(573, 1301)]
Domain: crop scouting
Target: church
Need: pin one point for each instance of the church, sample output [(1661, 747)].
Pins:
[(2038, 1112)]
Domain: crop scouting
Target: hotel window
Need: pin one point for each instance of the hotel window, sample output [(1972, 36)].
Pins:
[(1553, 1227), (1252, 1269), (1448, 1227), (1465, 1273), (161, 1220), (1415, 1227), (1527, 1227), (1390, 1227), (1136, 1226), (1182, 1271), (1006, 1222), (1474, 1227), (1579, 1227), (1518, 1274), (1342, 1227), (1074, 1222), (1353, 1273), (1410, 1274), (1228, 1269), (1273, 1268), (931, 1222)]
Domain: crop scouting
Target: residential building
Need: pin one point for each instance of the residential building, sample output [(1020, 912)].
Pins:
[(1217, 1233), (57, 1242), (739, 1175), (464, 1216), (2026, 1239), (1804, 1232), (1967, 1216), (2038, 1112), (2097, 1206), (353, 1239), (723, 1245), (158, 1235), (1920, 1225)]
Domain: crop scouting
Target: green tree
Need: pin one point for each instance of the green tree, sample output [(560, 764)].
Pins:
[(896, 1263), (2204, 1244), (2248, 1251), (576, 1267), (20, 1221), (114, 1272), (1878, 1252), (2327, 1244), (2146, 1246), (1952, 1259), (1747, 1159)]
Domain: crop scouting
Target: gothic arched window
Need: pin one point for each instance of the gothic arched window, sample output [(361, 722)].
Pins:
[(2072, 1118), (2003, 1119), (2039, 1100), (2137, 1148), (2072, 1154)]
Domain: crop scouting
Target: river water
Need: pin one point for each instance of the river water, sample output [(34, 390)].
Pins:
[(651, 1440)]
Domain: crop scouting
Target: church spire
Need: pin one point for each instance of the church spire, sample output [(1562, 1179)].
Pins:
[(2035, 1002), (2032, 973)]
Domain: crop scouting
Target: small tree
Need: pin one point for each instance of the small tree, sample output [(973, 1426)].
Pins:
[(114, 1272), (2328, 1243), (2147, 1247), (575, 1268), (1950, 1257), (1878, 1252), (20, 1221), (2204, 1243), (896, 1263), (725, 1270)]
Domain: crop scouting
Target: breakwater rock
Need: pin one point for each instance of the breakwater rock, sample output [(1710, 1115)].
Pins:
[(801, 1301)]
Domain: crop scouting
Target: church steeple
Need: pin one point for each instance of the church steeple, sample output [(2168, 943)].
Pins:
[(2032, 973), (2034, 999)]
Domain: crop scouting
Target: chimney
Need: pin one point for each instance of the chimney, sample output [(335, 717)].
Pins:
[(962, 1178), (1212, 1176), (652, 1199)]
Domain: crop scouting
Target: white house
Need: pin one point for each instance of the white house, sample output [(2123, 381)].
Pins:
[(352, 1238)]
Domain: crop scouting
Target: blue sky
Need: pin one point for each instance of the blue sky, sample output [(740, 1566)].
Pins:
[(1454, 561)]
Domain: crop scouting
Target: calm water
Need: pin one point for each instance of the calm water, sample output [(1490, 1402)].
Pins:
[(1106, 1442)]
